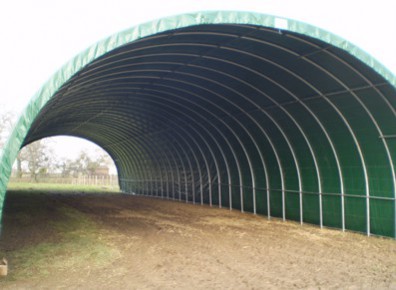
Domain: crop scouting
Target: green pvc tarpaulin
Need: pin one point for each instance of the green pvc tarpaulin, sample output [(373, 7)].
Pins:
[(233, 109)]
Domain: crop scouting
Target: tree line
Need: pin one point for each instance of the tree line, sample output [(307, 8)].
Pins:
[(38, 159)]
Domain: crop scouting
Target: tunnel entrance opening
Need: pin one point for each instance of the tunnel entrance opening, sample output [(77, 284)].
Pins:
[(64, 163)]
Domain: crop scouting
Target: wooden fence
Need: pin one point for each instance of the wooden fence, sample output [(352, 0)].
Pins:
[(94, 180)]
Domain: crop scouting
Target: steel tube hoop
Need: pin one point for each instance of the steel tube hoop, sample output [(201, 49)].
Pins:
[(209, 180), (322, 127), (207, 145), (199, 169), (174, 159), (276, 124), (203, 156), (118, 154), (280, 129), (157, 160), (205, 160), (353, 136), (216, 165), (85, 136), (150, 175), (158, 157), (357, 144), (236, 136), (248, 159), (215, 159), (265, 170), (237, 162), (305, 106), (167, 144), (219, 185), (232, 150), (180, 112), (146, 145), (187, 108), (189, 165), (390, 160), (253, 140), (191, 170), (170, 119), (312, 114), (324, 130), (149, 171)]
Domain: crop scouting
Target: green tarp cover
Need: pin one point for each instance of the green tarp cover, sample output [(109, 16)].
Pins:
[(233, 109)]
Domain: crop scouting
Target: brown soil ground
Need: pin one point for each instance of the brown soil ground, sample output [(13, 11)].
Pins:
[(158, 244)]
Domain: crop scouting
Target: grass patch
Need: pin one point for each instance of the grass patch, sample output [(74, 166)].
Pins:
[(72, 240), (34, 187), (80, 246)]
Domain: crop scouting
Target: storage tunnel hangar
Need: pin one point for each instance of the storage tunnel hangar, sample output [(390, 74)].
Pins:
[(233, 109)]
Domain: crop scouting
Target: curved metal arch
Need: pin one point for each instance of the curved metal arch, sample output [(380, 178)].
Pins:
[(121, 165), (294, 157), (265, 171), (176, 151), (317, 169), (253, 140), (203, 155), (308, 143), (236, 136), (152, 158), (332, 148), (196, 143), (175, 162), (276, 124), (297, 166), (390, 160), (182, 113), (303, 134), (148, 152), (246, 153), (173, 167), (191, 170), (143, 169), (267, 136), (218, 132)]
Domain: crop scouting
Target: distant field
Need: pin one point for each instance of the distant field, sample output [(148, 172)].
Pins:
[(15, 186)]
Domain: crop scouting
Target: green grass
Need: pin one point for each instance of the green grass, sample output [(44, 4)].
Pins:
[(34, 187), (72, 240), (79, 245)]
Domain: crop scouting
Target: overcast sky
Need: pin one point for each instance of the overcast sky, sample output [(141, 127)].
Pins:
[(38, 37)]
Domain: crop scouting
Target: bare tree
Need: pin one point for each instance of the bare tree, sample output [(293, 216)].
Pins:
[(84, 164), (37, 158), (6, 124)]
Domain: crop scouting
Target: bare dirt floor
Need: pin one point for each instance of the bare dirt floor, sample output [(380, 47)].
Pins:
[(114, 241)]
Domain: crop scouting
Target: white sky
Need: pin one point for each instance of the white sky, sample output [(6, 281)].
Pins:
[(38, 37)]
